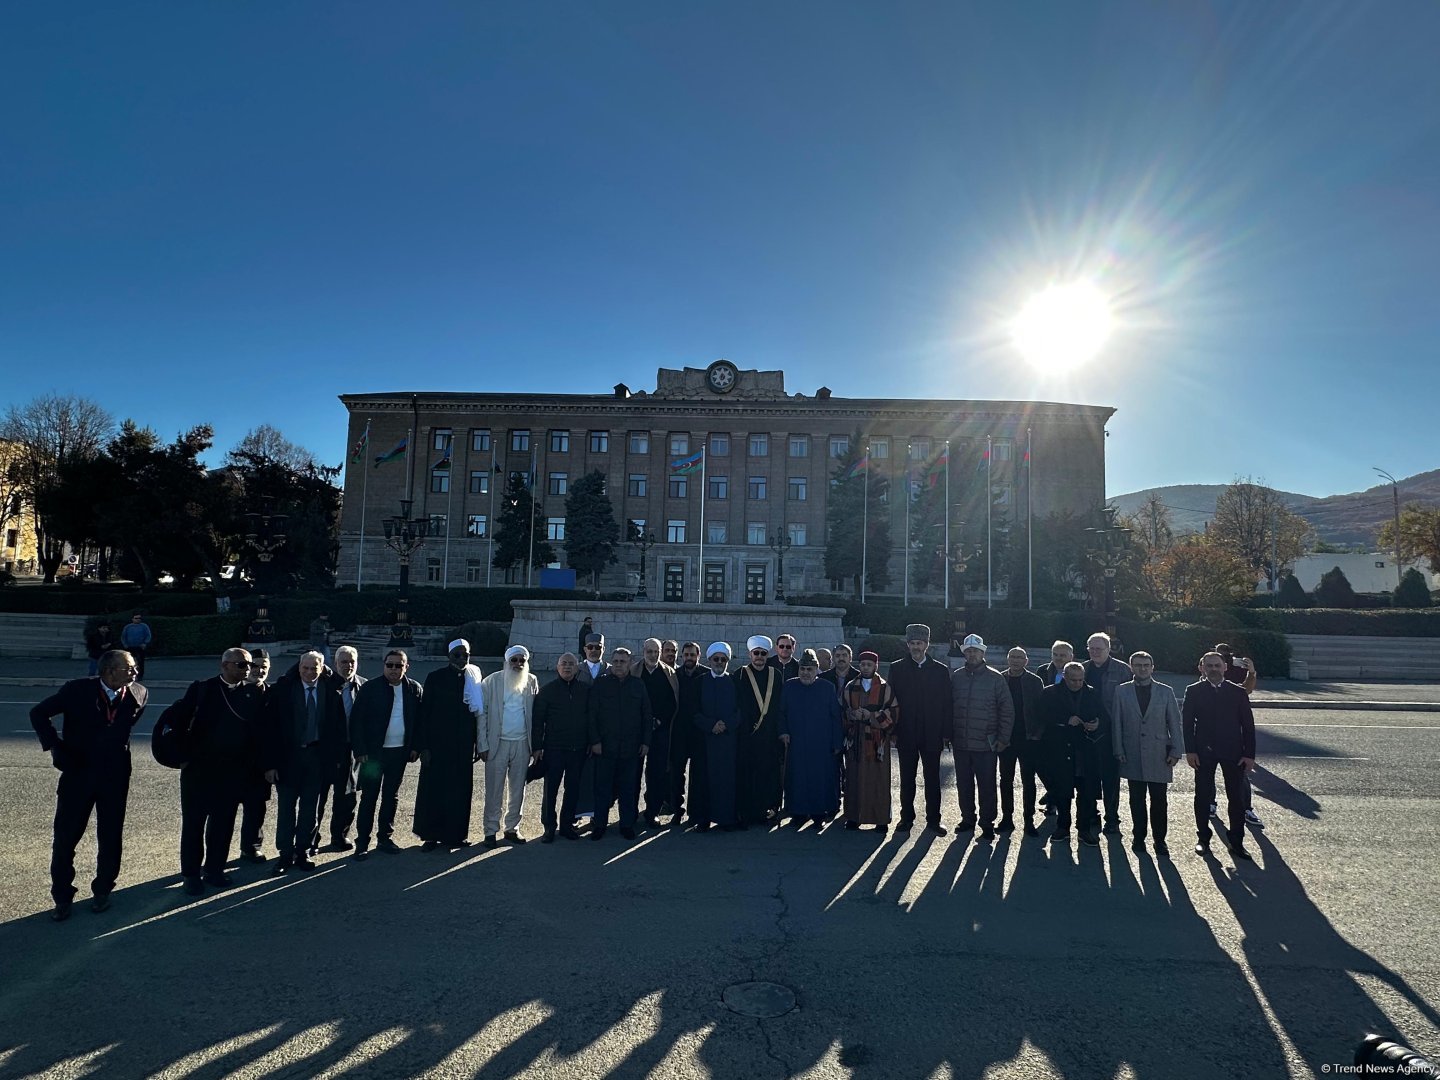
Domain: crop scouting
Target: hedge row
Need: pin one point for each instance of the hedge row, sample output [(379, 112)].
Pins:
[(186, 635), (1342, 622)]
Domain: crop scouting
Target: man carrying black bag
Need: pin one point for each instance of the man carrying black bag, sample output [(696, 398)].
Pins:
[(92, 752)]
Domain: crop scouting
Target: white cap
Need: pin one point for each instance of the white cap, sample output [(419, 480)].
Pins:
[(718, 647), (458, 643), (760, 641), (517, 650), (974, 641)]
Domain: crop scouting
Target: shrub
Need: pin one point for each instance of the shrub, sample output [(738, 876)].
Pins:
[(1334, 590), (1292, 594), (886, 646), (1412, 592), (486, 638)]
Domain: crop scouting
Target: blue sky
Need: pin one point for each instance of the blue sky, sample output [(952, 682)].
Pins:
[(233, 212)]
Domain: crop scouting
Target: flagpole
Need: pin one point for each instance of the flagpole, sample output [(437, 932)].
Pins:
[(530, 560), (700, 568), (865, 527), (1029, 522), (490, 521), (947, 524), (449, 495), (364, 498), (908, 500), (989, 538)]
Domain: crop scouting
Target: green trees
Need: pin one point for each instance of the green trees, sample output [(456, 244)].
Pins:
[(591, 531), (845, 521), (1253, 521), (1412, 592), (1292, 594), (1334, 590), (1419, 534), (520, 524)]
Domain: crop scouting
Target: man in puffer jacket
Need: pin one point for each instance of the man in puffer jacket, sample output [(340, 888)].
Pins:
[(983, 718)]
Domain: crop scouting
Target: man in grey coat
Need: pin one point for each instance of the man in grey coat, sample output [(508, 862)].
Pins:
[(1148, 741), (1105, 673), (983, 717)]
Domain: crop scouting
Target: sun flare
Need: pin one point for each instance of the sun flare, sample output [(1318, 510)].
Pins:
[(1062, 327)]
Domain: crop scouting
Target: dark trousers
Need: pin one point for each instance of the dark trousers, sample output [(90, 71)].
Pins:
[(616, 777), (1057, 770), (976, 769), (1088, 786), (252, 815), (103, 789), (209, 799), (339, 791), (561, 766), (297, 801), (1110, 784), (379, 779), (687, 753), (1025, 757), (657, 773), (1235, 797), (927, 761), (1158, 796)]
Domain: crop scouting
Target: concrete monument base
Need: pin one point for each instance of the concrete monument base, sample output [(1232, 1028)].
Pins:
[(551, 627)]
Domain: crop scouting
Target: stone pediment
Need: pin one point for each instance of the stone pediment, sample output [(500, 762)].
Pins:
[(720, 381)]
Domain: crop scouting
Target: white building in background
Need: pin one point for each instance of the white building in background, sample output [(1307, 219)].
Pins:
[(1367, 572)]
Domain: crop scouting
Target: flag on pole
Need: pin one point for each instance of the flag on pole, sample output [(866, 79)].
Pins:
[(859, 467), (361, 445), (686, 466), (393, 455), (938, 468), (444, 462), (983, 464)]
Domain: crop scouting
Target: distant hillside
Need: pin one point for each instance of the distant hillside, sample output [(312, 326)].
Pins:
[(1337, 519)]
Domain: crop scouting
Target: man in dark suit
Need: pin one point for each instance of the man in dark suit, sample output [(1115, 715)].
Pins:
[(92, 752), (922, 690), (1219, 729), (339, 786), (382, 726), (221, 720), (1072, 712), (1106, 674), (305, 741)]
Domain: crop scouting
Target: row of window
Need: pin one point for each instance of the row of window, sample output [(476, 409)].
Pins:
[(673, 579), (797, 488), (718, 445), (677, 530)]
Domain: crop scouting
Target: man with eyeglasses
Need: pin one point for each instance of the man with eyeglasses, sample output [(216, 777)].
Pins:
[(222, 719), (257, 790), (663, 687), (784, 658), (620, 724), (447, 741), (382, 733), (759, 693), (592, 662), (687, 745), (339, 789), (506, 723), (306, 743), (718, 722), (560, 729), (92, 752)]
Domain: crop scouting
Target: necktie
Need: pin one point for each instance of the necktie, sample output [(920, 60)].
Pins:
[(311, 732), (349, 700)]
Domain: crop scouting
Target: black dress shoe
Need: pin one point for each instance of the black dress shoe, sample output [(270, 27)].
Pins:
[(1060, 836), (652, 820), (455, 844), (570, 833), (548, 837), (987, 835), (491, 841), (430, 845), (702, 826), (1138, 845), (303, 864), (1006, 825), (361, 854), (627, 833), (1112, 829), (1089, 838), (936, 828), (281, 868), (339, 845), (1162, 849), (388, 846), (906, 824), (513, 837), (252, 855), (100, 902), (597, 834), (1203, 850), (1030, 830), (62, 910), (1239, 852), (966, 825), (219, 881)]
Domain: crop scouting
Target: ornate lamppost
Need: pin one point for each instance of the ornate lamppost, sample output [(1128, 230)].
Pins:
[(644, 541), (1110, 542), (780, 543), (958, 562), (265, 533), (404, 535)]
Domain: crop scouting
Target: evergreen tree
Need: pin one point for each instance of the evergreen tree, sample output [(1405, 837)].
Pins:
[(512, 536), (591, 532), (1292, 594), (1412, 592), (845, 514), (1334, 590)]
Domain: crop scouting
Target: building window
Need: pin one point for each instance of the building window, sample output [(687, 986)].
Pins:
[(680, 445), (799, 445), (439, 525), (1003, 448), (674, 589), (880, 448), (798, 489), (477, 526), (599, 442), (719, 445), (719, 487), (636, 485), (520, 440), (679, 487), (559, 483), (559, 442), (1000, 495), (514, 575), (474, 571), (759, 445), (440, 480), (432, 569), (637, 528), (639, 442), (755, 533), (675, 531), (839, 445), (797, 537), (523, 476), (716, 533), (441, 437), (755, 489), (919, 449), (479, 483), (479, 439), (555, 528), (12, 538)]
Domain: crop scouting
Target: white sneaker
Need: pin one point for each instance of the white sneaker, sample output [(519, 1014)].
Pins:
[(1252, 818), (1212, 809)]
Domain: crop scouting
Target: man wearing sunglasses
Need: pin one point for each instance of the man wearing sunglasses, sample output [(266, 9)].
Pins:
[(785, 658), (382, 731), (506, 724), (592, 660)]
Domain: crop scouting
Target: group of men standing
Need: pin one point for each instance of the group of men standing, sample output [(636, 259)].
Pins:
[(707, 746)]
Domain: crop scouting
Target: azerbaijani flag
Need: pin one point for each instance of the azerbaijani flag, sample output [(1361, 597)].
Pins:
[(937, 468), (357, 455), (393, 455), (859, 467), (983, 461), (444, 462), (685, 466)]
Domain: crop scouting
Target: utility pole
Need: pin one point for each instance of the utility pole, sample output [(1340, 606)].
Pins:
[(1395, 491)]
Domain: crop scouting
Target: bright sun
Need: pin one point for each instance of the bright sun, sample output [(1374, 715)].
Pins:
[(1062, 327)]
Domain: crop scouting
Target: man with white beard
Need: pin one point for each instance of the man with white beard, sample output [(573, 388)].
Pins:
[(504, 742)]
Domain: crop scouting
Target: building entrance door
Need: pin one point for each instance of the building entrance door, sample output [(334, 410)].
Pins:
[(755, 584), (674, 583), (714, 583)]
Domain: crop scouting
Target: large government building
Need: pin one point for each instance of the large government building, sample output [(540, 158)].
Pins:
[(769, 457)]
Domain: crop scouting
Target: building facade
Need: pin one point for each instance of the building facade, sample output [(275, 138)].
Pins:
[(769, 461)]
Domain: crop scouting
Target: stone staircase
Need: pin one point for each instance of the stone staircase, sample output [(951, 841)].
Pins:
[(1342, 658), (49, 636)]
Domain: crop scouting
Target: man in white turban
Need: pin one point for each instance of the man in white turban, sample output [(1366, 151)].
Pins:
[(504, 742)]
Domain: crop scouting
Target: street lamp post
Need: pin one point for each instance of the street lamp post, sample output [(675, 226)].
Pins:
[(780, 543), (404, 535), (265, 532), (644, 541), (957, 562), (1110, 542), (1395, 491)]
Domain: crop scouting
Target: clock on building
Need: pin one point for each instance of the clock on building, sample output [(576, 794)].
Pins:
[(721, 376)]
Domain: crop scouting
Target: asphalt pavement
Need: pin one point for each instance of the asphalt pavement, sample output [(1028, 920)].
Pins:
[(908, 954)]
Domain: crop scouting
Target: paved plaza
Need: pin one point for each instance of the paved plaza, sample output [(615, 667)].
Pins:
[(908, 955)]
